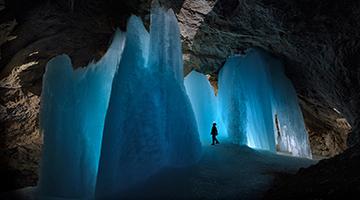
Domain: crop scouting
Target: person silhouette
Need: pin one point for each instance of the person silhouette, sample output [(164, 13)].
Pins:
[(214, 133)]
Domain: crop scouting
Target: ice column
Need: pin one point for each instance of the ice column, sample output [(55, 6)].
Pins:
[(133, 146), (245, 101), (73, 107), (149, 123), (165, 62), (232, 109), (203, 102)]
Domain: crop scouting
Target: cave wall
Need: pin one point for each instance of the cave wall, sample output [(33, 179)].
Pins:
[(328, 129), (317, 40)]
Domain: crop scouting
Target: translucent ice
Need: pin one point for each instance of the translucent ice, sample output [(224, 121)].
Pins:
[(245, 99), (291, 135), (180, 128), (203, 102), (120, 120), (73, 107), (150, 123), (255, 97)]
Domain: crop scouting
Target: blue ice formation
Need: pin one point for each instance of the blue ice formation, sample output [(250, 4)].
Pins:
[(245, 101), (180, 128), (204, 103), (291, 135), (150, 123), (256, 97), (73, 108), (109, 126)]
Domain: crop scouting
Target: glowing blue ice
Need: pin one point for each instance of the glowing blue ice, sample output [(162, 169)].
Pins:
[(132, 144), (291, 135), (253, 93), (73, 107), (165, 61), (150, 123), (109, 126), (245, 101), (203, 102)]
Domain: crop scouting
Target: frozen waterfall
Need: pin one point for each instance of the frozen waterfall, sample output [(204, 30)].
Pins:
[(258, 105), (290, 132), (245, 101)]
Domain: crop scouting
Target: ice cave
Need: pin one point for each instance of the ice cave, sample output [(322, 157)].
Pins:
[(186, 100), (141, 115)]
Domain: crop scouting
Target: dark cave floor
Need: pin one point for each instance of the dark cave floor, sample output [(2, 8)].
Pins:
[(226, 171)]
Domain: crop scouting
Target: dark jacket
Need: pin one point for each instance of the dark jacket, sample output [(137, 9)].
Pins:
[(214, 131)]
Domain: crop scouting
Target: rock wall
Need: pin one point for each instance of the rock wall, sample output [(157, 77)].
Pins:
[(317, 40), (328, 129)]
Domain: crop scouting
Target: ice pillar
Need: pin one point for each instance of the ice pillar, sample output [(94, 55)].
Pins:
[(73, 107), (132, 146), (149, 123), (245, 101), (166, 64)]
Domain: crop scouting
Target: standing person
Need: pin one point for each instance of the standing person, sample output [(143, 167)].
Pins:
[(214, 133)]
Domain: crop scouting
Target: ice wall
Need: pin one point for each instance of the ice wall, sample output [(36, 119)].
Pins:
[(73, 107), (291, 135), (245, 101), (204, 103), (150, 123), (254, 93)]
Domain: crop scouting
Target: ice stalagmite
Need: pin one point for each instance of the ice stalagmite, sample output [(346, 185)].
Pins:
[(149, 123), (203, 102), (73, 107), (133, 146)]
